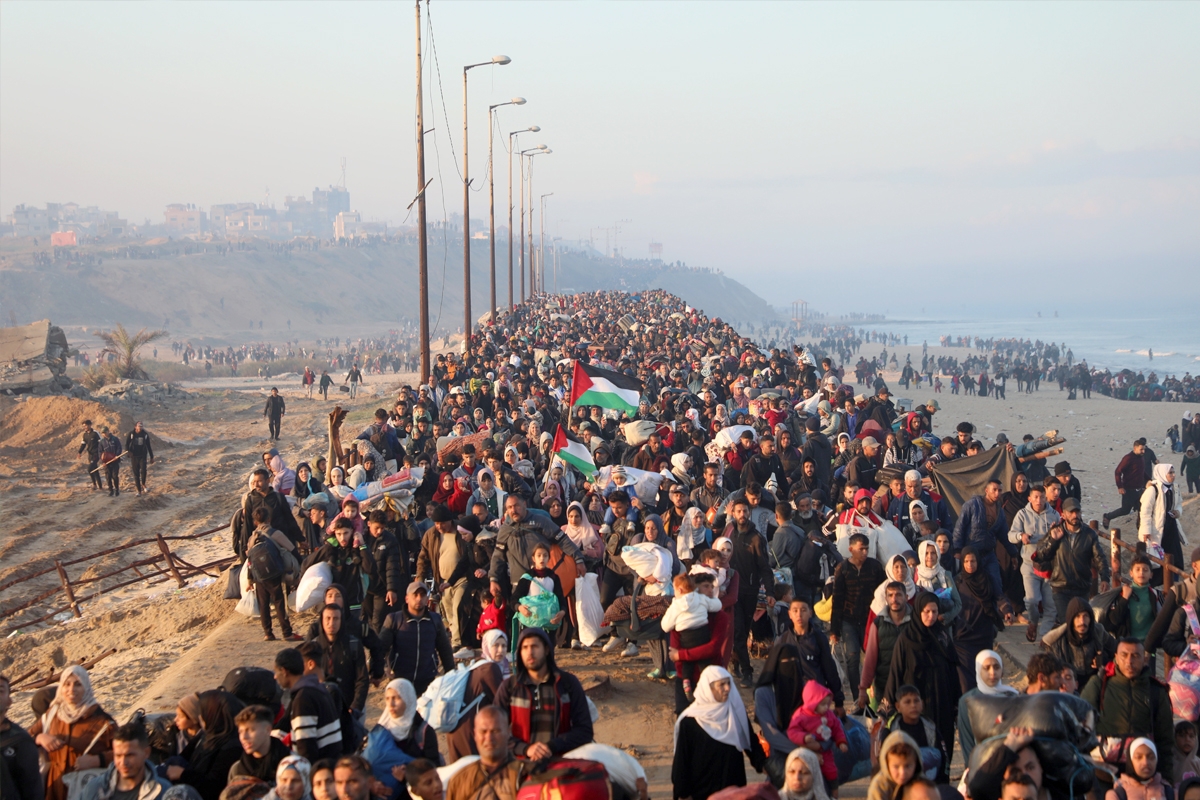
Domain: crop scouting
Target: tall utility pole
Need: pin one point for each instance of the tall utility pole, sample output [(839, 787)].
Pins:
[(512, 150), (542, 243), (516, 101), (422, 249), (466, 227)]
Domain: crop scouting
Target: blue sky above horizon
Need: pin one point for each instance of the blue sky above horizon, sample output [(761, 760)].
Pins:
[(995, 150)]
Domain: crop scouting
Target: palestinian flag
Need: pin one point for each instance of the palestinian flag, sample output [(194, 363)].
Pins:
[(592, 386), (574, 452)]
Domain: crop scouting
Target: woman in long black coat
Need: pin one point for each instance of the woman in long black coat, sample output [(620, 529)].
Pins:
[(976, 625), (925, 658)]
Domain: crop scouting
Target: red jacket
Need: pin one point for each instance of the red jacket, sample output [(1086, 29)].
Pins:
[(1131, 473), (715, 651)]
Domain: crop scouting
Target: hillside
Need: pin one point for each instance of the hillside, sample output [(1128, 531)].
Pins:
[(324, 291)]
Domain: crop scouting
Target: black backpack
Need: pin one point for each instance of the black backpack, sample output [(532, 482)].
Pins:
[(266, 562)]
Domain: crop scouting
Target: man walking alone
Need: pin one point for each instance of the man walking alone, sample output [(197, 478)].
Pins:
[(1130, 477), (274, 411)]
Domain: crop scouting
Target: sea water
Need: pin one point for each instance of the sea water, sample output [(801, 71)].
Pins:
[(1106, 342)]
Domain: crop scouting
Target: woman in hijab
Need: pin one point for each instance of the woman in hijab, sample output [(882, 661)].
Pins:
[(208, 771), (896, 570), (1080, 642), (338, 489), (291, 779), (484, 682), (494, 648), (1159, 520), (976, 626), (399, 736), (989, 674), (932, 577), (802, 777), (307, 484), (694, 536), (1008, 554), (712, 738), (580, 530), (75, 732), (445, 489), (925, 657), (917, 513), (556, 511), (596, 508)]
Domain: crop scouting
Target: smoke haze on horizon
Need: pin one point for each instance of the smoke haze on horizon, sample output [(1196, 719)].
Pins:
[(799, 147)]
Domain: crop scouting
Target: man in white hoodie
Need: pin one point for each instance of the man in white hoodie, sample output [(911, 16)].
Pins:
[(1030, 525)]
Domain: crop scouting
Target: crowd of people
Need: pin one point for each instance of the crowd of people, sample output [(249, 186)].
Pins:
[(751, 522)]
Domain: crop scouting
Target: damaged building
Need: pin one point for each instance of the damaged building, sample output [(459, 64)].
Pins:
[(34, 358)]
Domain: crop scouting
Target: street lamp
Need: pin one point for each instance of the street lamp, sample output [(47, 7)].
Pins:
[(521, 252), (467, 326), (511, 150), (516, 101), (541, 150), (542, 243)]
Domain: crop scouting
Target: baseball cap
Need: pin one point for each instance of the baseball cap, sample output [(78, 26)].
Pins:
[(416, 586), (870, 441), (934, 405), (1070, 504)]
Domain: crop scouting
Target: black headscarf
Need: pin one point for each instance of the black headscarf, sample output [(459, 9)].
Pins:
[(922, 636), (783, 674), (977, 583), (1013, 501), (1076, 607)]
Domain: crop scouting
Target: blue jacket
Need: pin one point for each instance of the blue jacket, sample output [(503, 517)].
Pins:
[(972, 528), (414, 645)]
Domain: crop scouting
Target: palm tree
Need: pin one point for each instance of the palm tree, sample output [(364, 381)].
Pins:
[(126, 348)]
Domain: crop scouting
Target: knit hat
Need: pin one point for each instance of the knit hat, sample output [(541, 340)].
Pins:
[(812, 424)]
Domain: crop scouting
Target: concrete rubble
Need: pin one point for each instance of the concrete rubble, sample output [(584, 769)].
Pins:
[(33, 358), (140, 392)]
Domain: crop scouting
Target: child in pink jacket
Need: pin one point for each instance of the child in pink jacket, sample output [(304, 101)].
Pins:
[(814, 723)]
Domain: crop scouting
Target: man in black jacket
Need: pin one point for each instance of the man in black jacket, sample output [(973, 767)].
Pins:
[(345, 659), (274, 411), (864, 466), (763, 464), (753, 568), (1071, 486), (854, 584), (389, 576), (91, 445), (315, 719), (137, 444), (415, 639), (1070, 552)]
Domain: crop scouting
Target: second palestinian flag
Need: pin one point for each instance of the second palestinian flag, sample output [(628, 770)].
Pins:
[(574, 452), (592, 386)]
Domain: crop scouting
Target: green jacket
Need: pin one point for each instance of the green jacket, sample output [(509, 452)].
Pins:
[(1138, 707)]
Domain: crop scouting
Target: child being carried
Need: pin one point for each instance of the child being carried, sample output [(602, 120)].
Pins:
[(686, 619)]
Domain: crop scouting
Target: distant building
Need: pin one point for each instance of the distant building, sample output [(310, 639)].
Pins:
[(346, 224), (67, 217), (251, 220), (185, 218)]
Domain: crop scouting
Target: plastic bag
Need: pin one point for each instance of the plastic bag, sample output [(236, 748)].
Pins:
[(248, 605), (1183, 685), (588, 610), (855, 763), (233, 582), (311, 591), (244, 580), (542, 608)]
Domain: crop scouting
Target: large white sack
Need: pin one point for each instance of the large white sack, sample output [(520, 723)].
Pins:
[(809, 406), (623, 768), (726, 438), (311, 591), (244, 579), (588, 610), (649, 560), (641, 482), (450, 770), (884, 541)]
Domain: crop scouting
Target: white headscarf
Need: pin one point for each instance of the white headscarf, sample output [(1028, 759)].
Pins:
[(1138, 742), (691, 533), (879, 604), (813, 762), (400, 727), (1162, 474), (917, 503), (302, 767), (931, 578), (725, 722), (61, 706), (1000, 688), (488, 645)]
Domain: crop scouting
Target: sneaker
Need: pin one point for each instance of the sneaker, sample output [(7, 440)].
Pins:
[(613, 645), (655, 674), (464, 653), (672, 675), (293, 637), (1104, 521), (630, 651), (576, 644), (269, 637)]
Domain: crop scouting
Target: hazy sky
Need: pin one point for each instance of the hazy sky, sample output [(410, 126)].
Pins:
[(1051, 148)]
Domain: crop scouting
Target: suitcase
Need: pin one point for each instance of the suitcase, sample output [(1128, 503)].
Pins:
[(568, 779)]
